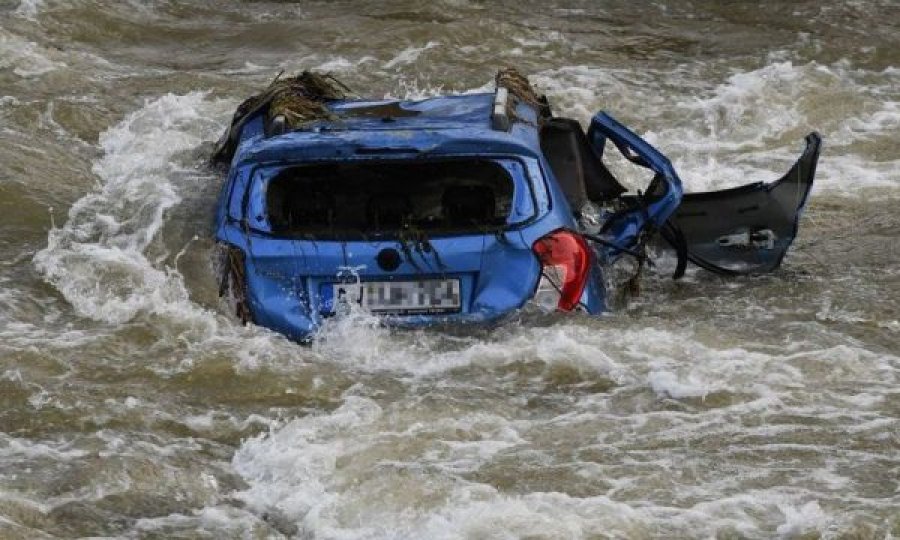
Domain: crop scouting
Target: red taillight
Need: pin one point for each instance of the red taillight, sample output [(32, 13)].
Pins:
[(566, 261)]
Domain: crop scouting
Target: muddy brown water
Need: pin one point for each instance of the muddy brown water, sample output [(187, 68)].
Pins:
[(131, 406)]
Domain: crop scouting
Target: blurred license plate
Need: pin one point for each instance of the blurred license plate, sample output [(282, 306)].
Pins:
[(396, 297)]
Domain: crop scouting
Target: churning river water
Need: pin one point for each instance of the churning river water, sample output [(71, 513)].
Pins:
[(132, 406)]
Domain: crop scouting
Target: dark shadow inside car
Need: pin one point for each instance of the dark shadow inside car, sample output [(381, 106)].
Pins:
[(389, 198)]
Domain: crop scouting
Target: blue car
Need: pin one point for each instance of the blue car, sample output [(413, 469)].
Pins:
[(460, 208)]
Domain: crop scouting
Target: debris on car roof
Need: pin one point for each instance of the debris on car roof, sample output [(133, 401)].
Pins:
[(462, 208), (296, 100)]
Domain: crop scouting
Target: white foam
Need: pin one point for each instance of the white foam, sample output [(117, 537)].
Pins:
[(360, 341), (409, 55), (341, 64), (749, 127), (804, 520), (668, 384), (217, 521), (412, 468), (212, 420), (96, 259), (18, 448), (341, 475), (418, 463), (289, 469), (365, 472), (29, 9), (26, 58)]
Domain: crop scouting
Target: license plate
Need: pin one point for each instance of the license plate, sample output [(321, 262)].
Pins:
[(428, 296)]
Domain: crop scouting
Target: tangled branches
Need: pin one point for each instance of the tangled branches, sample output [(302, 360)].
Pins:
[(299, 100)]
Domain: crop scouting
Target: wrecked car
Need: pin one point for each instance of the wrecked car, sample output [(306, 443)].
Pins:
[(461, 208)]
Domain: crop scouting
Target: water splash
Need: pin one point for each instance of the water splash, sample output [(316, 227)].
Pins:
[(97, 258), (750, 126)]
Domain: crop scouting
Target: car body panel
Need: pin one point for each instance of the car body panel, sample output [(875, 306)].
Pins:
[(288, 282), (748, 229)]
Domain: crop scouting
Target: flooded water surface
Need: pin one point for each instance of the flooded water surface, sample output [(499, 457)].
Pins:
[(133, 406)]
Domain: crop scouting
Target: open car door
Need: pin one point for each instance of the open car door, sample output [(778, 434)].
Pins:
[(746, 229), (742, 230)]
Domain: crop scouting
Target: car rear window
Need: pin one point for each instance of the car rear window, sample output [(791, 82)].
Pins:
[(362, 199)]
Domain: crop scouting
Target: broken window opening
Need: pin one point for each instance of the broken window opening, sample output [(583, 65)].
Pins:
[(389, 199)]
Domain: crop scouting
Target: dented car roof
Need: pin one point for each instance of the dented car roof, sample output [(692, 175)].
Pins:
[(459, 124)]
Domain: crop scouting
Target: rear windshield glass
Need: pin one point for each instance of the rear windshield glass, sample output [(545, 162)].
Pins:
[(365, 199)]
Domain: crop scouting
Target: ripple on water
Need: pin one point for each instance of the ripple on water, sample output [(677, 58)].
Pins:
[(132, 406)]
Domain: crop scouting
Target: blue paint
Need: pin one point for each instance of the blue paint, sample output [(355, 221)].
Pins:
[(498, 273), (624, 230)]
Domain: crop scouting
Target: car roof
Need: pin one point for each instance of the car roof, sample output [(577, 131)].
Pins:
[(454, 124)]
